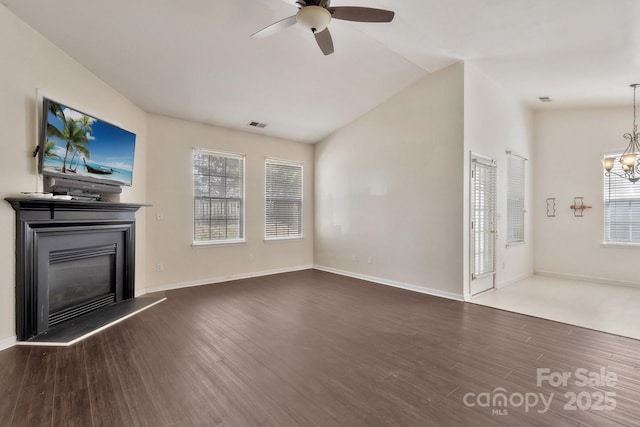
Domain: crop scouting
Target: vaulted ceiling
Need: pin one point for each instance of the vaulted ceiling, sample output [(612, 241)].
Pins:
[(195, 59)]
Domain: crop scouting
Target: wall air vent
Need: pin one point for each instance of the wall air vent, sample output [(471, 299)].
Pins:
[(545, 99), (258, 125)]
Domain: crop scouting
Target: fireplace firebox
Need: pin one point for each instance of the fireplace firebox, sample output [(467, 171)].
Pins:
[(72, 258)]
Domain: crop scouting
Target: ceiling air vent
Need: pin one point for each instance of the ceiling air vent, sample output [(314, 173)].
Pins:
[(258, 124), (545, 99)]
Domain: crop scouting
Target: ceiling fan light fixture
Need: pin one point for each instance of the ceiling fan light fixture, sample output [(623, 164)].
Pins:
[(314, 18)]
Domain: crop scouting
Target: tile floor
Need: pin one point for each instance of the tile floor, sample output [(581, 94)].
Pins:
[(608, 308)]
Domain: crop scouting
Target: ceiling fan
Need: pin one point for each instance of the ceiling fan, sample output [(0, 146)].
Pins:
[(315, 15)]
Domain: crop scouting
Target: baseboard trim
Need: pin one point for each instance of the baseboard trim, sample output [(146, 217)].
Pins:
[(590, 279), (228, 278), (8, 342), (392, 283), (514, 280)]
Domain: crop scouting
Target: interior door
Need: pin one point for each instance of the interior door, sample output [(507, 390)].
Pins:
[(482, 224)]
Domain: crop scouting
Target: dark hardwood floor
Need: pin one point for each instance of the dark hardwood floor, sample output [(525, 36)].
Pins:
[(314, 349)]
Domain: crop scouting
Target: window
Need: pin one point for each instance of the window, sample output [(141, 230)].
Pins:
[(621, 209), (283, 204), (218, 197), (515, 198)]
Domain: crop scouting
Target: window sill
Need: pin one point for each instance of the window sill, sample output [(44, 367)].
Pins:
[(515, 244), (209, 243), (619, 245), (282, 239)]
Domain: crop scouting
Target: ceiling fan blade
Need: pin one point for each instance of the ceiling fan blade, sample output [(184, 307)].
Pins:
[(361, 14), (275, 27), (324, 41)]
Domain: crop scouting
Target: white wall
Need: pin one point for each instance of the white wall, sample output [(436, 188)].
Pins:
[(494, 122), (170, 190), (385, 189), (30, 62), (569, 146)]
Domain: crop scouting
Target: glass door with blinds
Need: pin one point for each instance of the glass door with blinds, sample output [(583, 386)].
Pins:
[(482, 223)]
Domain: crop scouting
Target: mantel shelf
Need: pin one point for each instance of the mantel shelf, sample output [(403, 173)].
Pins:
[(28, 208), (19, 203)]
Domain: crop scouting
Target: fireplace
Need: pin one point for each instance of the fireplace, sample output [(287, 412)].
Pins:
[(80, 280), (78, 271), (72, 258)]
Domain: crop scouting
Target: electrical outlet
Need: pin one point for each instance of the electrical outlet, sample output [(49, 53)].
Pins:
[(369, 259), (159, 267), (250, 257), (354, 257)]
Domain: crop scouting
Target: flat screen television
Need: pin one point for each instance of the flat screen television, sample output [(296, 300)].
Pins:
[(82, 151)]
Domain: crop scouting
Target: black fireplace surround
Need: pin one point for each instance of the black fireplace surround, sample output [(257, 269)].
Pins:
[(72, 258)]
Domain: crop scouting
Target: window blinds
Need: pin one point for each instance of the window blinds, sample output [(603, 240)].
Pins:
[(621, 209), (283, 199), (515, 199), (218, 196)]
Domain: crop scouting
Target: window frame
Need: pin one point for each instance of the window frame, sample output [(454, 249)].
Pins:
[(242, 225), (606, 192), (516, 230), (291, 163)]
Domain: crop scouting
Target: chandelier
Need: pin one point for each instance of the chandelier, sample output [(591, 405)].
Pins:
[(630, 158)]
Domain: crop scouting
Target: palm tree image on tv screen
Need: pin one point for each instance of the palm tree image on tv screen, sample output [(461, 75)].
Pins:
[(80, 146)]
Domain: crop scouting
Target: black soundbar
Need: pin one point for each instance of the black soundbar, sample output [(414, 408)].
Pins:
[(62, 184)]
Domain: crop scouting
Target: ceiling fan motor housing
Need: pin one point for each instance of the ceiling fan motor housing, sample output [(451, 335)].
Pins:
[(314, 18), (321, 3)]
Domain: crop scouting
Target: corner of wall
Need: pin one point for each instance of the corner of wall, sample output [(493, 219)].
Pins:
[(376, 182)]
